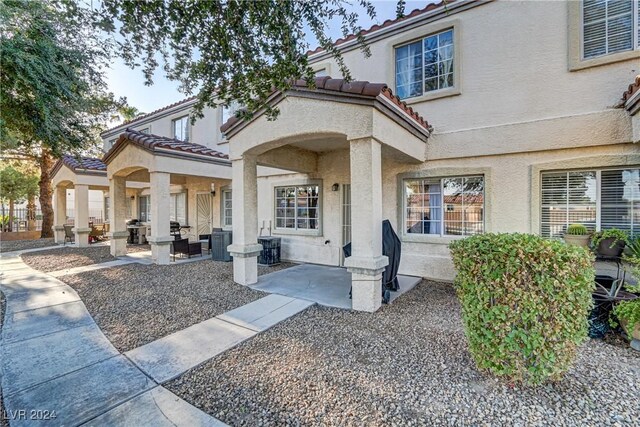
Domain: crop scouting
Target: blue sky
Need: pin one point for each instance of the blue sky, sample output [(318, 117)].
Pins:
[(124, 81)]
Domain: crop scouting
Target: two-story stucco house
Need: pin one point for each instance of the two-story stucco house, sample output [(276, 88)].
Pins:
[(502, 116)]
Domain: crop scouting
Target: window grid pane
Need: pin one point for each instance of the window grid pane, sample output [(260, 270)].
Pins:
[(425, 65), (297, 208), (448, 206)]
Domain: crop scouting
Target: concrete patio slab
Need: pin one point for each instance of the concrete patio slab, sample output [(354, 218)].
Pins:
[(266, 312), (157, 407), (29, 324), (82, 395), (168, 357), (322, 284), (38, 298), (44, 358)]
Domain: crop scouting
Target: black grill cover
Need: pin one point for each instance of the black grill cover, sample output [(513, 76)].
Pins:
[(391, 247)]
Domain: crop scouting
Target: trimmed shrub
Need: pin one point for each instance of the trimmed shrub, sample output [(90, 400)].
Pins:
[(525, 302)]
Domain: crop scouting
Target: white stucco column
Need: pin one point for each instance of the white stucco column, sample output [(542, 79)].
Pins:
[(245, 247), (59, 213), (81, 213), (118, 215), (160, 227), (366, 262)]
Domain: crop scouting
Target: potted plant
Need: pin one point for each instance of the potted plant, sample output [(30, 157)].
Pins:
[(609, 242), (628, 314), (578, 235)]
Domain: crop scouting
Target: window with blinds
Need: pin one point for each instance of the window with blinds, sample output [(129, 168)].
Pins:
[(599, 199), (610, 26), (178, 208), (227, 208), (298, 207)]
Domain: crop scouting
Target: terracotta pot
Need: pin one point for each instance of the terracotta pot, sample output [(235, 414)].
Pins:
[(605, 249), (577, 240)]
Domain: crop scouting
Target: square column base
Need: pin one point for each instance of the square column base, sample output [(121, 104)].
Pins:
[(82, 237), (58, 234), (118, 243), (245, 263), (161, 249), (366, 282)]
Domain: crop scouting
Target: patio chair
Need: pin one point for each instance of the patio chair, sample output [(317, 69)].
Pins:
[(96, 233), (68, 234), (206, 237), (183, 247)]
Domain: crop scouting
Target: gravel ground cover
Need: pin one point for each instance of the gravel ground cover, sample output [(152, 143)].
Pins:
[(67, 257), (57, 259), (404, 365), (19, 245), (135, 304)]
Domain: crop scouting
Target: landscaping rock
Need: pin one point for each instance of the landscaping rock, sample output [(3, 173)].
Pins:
[(407, 364), (20, 245), (135, 304)]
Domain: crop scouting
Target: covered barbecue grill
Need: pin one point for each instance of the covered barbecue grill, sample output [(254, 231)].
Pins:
[(391, 248)]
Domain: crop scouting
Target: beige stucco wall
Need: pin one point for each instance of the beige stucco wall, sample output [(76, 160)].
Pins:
[(205, 131), (514, 67)]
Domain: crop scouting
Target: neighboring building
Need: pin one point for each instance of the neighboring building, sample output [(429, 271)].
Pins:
[(529, 129)]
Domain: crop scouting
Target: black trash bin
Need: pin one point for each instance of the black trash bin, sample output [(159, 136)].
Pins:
[(270, 254)]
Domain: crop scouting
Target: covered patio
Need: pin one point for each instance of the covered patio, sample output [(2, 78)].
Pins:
[(364, 118), (80, 174), (162, 166)]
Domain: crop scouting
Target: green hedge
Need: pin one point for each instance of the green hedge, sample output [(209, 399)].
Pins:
[(525, 302)]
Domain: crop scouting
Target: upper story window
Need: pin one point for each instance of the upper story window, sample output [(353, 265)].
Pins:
[(181, 128), (425, 65), (599, 199), (609, 26), (452, 206), (297, 207), (226, 113)]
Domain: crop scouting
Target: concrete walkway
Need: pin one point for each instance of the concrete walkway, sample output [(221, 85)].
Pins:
[(55, 357)]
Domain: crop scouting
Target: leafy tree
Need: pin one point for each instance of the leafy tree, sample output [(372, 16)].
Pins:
[(53, 94), (127, 113), (238, 50), (15, 187)]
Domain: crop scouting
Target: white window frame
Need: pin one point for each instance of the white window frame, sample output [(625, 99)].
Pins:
[(443, 207), (174, 213), (296, 230), (186, 129), (148, 208), (421, 40), (226, 213), (598, 172), (635, 46)]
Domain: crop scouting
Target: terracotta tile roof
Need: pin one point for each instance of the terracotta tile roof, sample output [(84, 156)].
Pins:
[(633, 88), (144, 116), (358, 88), (388, 22), (155, 142), (89, 163)]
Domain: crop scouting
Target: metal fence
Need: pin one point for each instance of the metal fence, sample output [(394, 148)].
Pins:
[(21, 223)]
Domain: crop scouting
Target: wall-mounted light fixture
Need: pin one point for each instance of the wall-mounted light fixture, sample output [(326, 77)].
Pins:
[(213, 189), (335, 187)]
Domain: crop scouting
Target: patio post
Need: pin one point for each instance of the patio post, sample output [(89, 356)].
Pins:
[(118, 215), (366, 263), (59, 213), (160, 222), (245, 247), (81, 215)]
